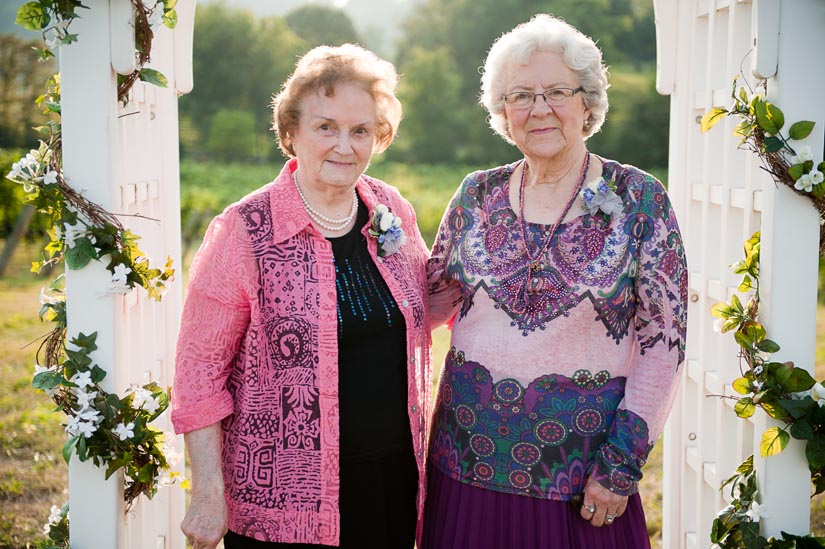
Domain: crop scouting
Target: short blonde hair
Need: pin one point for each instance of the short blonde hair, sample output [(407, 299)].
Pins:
[(323, 68), (545, 33)]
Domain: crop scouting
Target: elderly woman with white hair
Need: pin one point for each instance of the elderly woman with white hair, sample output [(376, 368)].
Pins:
[(563, 277)]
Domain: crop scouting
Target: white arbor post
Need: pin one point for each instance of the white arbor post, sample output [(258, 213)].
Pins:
[(125, 158), (722, 196)]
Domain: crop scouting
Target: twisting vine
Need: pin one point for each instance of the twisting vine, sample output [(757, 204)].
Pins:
[(785, 392), (113, 432)]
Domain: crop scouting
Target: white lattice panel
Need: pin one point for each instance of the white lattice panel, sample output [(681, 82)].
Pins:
[(722, 196), (125, 158)]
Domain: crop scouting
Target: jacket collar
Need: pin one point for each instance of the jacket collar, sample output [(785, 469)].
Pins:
[(289, 217)]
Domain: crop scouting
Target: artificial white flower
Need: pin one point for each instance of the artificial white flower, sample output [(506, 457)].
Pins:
[(151, 404), (757, 511), (718, 324), (382, 209), (54, 515), (50, 177), (758, 370), (86, 429), (804, 183), (72, 233), (386, 221), (156, 16), (120, 282), (48, 299), (125, 431), (121, 271), (91, 415), (82, 379), (172, 456), (84, 399), (802, 155), (816, 176)]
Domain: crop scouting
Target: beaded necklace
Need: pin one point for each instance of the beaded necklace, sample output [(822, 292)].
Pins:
[(532, 281), (325, 222)]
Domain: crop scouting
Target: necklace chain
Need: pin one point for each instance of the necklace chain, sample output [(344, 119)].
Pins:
[(532, 282), (325, 222)]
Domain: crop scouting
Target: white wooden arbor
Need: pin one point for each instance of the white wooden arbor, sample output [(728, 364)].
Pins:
[(721, 197), (125, 158)]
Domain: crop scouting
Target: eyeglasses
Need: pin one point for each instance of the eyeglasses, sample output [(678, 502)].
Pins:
[(553, 97)]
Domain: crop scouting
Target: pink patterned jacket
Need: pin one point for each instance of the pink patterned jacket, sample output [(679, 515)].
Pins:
[(258, 351)]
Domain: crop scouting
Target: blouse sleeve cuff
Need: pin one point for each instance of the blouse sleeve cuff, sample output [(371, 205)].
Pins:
[(618, 463), (200, 414)]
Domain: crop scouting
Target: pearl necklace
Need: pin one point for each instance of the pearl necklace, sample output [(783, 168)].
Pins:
[(533, 283), (325, 222)]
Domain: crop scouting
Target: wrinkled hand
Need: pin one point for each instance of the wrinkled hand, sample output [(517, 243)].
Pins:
[(205, 522), (605, 504)]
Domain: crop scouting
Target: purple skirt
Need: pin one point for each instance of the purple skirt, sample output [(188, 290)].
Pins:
[(461, 516)]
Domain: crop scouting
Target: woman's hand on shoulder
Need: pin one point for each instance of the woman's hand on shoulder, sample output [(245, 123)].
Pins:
[(205, 522), (601, 506)]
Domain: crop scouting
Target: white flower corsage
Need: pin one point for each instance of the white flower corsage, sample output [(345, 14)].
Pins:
[(600, 195), (386, 228)]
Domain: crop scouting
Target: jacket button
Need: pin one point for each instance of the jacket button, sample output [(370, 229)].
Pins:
[(412, 360), (405, 303), (414, 408)]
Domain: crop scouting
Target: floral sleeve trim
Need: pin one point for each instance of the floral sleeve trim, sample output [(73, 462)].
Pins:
[(619, 461)]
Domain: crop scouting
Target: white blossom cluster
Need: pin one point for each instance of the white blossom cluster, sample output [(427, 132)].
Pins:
[(806, 181), (33, 170), (86, 420)]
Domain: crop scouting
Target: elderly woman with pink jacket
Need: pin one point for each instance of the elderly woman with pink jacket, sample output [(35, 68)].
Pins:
[(303, 372)]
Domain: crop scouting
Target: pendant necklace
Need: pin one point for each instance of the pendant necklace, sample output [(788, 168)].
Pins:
[(328, 223), (533, 283)]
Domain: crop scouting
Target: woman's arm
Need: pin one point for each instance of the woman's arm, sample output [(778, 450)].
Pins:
[(205, 522)]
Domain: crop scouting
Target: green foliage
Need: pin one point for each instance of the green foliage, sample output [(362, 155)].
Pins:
[(737, 525), (431, 128), (637, 126), (321, 25), (21, 81), (238, 62), (231, 135)]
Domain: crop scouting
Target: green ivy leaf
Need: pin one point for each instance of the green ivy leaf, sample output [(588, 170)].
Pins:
[(799, 408), (773, 144), (170, 19), (794, 380), (768, 346), (801, 129), (746, 285), (87, 342), (743, 340), (82, 449), (774, 409), (796, 171), (80, 255), (154, 77), (47, 380), (146, 473), (69, 447), (712, 117), (98, 374), (755, 332), (774, 440), (32, 16), (815, 452), (744, 407), (802, 429), (742, 386)]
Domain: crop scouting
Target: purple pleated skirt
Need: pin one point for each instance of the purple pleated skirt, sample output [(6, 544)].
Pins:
[(461, 516)]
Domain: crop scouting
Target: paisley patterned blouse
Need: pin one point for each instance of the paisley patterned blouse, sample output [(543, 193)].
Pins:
[(576, 378), (258, 350)]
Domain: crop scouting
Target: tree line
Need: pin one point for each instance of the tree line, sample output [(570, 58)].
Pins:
[(241, 60)]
